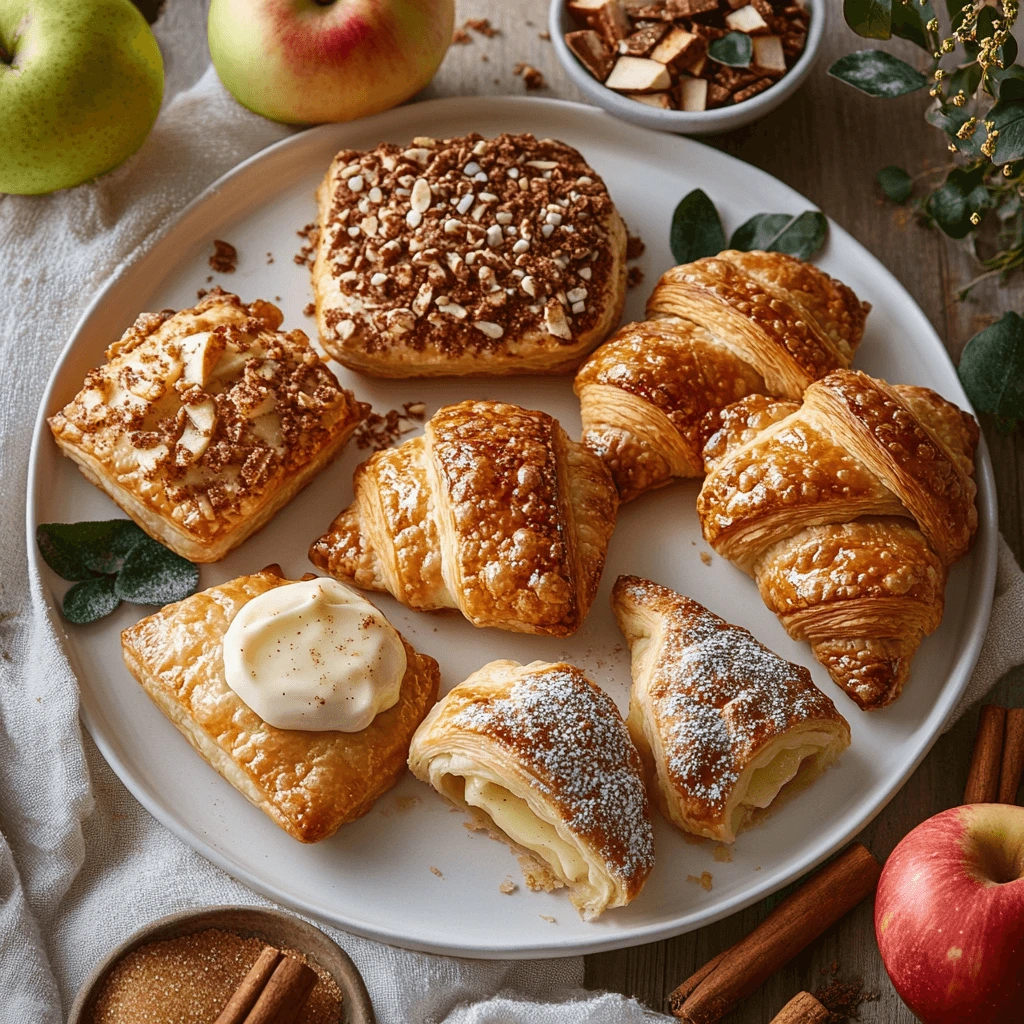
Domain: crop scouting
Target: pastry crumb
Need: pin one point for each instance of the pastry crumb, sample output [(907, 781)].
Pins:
[(461, 37), (532, 78), (508, 886), (723, 853), (548, 918), (307, 253), (704, 880), (379, 431), (705, 557), (309, 309), (225, 257), (544, 36), (483, 26), (635, 247), (634, 277), (201, 293), (436, 871), (270, 258)]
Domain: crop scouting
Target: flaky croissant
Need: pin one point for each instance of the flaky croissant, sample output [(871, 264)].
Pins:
[(718, 329), (848, 511), (493, 511)]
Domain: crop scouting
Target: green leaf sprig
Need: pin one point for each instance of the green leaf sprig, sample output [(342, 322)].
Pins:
[(734, 48), (697, 231), (977, 100), (110, 562)]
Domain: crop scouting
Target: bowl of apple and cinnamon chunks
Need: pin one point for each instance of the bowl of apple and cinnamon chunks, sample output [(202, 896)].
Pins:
[(691, 66)]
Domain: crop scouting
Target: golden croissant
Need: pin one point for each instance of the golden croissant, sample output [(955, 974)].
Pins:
[(718, 329), (493, 511), (848, 511)]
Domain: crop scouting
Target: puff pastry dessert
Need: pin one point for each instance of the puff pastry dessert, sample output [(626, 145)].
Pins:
[(540, 758), (307, 782), (847, 510), (718, 329), (723, 725), (466, 256), (493, 511), (202, 424)]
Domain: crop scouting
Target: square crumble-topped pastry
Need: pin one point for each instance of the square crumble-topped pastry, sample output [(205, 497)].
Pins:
[(203, 423), (466, 256)]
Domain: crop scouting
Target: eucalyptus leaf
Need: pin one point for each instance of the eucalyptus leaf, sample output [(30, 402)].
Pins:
[(871, 19), (910, 22), (877, 73), (696, 228), (90, 600), (992, 369), (962, 194), (951, 120), (153, 574), (734, 49), (895, 183), (801, 236), (1007, 83), (79, 551), (955, 10), (1007, 117)]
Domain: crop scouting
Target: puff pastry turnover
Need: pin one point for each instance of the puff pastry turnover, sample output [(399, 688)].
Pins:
[(541, 758), (718, 329), (493, 511), (847, 511), (466, 256), (202, 424), (308, 783), (723, 725)]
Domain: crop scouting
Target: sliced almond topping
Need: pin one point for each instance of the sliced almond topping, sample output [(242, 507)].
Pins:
[(492, 330), (555, 320), (200, 355), (420, 198)]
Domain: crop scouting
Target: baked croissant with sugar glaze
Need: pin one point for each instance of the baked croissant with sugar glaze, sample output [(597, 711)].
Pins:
[(718, 329), (848, 511), (493, 511)]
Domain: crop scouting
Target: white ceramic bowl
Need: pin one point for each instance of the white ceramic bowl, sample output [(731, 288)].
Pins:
[(702, 122)]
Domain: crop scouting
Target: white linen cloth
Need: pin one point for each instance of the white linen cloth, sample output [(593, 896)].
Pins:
[(82, 865)]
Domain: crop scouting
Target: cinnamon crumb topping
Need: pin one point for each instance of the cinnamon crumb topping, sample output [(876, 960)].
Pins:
[(310, 234), (634, 277), (451, 245), (224, 258), (381, 431), (483, 26)]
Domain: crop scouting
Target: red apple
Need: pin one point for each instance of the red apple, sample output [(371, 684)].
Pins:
[(949, 916), (307, 61)]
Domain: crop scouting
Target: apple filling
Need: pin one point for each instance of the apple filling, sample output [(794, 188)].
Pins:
[(524, 826), (789, 759)]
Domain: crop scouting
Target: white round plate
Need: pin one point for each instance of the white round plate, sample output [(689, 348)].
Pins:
[(376, 876)]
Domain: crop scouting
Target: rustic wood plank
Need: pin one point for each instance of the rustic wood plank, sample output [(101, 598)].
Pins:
[(827, 142)]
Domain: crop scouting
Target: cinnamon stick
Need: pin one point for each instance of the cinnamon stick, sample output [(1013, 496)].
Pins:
[(682, 992), (987, 756), (238, 1006), (803, 1008), (285, 994), (796, 922), (1013, 757)]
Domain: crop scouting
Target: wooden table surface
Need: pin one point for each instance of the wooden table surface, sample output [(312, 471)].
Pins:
[(827, 142)]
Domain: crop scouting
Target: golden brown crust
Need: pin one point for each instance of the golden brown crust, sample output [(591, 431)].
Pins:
[(820, 504), (308, 783), (204, 423), (710, 705), (493, 511), (557, 740), (466, 256), (719, 329)]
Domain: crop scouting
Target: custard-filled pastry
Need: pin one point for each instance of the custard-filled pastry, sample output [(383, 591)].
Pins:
[(493, 511), (848, 511), (202, 424), (718, 329), (723, 725), (299, 693), (541, 758), (466, 256)]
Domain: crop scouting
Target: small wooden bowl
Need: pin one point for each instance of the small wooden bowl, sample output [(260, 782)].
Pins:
[(285, 931)]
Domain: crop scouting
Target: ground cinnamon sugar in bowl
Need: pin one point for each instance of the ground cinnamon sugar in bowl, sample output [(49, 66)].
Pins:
[(189, 979)]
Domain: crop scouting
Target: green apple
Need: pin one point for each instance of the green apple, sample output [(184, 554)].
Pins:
[(80, 87), (306, 61)]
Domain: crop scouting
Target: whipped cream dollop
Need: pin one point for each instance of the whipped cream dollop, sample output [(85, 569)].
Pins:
[(314, 655)]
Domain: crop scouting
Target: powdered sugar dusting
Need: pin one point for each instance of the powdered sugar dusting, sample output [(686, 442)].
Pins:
[(569, 735)]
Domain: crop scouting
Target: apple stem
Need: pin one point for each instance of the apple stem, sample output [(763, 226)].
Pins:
[(5, 57)]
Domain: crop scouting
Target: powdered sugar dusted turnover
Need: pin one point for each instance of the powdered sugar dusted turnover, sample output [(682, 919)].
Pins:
[(466, 255)]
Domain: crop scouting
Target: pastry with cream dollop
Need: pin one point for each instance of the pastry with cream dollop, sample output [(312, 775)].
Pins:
[(724, 726), (299, 693), (542, 760)]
